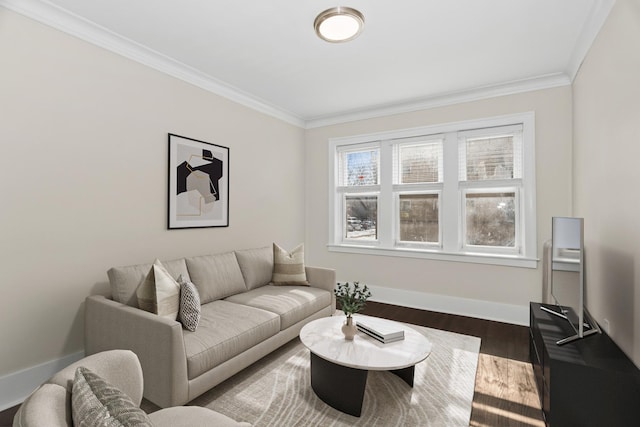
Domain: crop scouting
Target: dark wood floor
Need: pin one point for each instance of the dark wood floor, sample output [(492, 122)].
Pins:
[(505, 391)]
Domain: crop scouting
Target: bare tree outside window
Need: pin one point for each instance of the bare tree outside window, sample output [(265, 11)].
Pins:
[(419, 218), (491, 219)]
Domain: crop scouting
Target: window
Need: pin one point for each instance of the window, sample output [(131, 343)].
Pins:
[(417, 187), (460, 192), (359, 169)]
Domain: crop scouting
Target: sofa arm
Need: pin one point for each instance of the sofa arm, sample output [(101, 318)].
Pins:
[(323, 278), (157, 342)]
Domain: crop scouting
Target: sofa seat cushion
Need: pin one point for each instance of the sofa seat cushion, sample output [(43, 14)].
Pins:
[(226, 330), (291, 303)]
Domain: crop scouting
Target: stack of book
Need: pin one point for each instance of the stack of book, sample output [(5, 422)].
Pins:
[(384, 332)]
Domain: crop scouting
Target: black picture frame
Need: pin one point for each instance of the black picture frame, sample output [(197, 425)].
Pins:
[(198, 190)]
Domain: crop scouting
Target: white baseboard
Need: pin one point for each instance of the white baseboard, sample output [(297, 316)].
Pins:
[(16, 387), (507, 313)]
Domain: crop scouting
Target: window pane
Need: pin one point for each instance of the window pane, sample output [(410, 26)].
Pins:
[(491, 219), (420, 163), (489, 158), (419, 218), (360, 167), (362, 217)]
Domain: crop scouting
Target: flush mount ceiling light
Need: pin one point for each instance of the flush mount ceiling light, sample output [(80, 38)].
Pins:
[(339, 24)]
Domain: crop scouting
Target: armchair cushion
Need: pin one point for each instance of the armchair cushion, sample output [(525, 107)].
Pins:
[(190, 416)]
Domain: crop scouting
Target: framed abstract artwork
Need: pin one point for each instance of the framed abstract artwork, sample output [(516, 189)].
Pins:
[(198, 183)]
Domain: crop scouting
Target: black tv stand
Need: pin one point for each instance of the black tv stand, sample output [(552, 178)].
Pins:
[(590, 327), (588, 382)]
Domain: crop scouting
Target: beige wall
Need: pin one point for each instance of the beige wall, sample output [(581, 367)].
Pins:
[(508, 285), (607, 149), (83, 173)]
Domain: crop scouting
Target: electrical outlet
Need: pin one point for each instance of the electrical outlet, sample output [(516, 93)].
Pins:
[(606, 326)]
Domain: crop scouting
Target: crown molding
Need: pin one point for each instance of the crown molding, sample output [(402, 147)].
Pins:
[(77, 26), (60, 19), (597, 17), (475, 94)]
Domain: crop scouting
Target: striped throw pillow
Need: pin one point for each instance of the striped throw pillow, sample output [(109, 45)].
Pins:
[(95, 402), (288, 267)]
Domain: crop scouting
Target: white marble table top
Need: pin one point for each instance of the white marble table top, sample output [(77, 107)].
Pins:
[(324, 338)]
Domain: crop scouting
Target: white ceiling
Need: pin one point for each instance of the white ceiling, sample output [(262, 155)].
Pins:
[(411, 54)]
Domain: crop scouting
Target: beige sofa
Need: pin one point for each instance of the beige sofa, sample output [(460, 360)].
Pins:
[(50, 404), (243, 318)]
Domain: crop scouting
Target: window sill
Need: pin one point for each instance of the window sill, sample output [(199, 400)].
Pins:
[(475, 258)]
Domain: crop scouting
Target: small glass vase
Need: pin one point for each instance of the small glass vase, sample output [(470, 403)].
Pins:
[(349, 329)]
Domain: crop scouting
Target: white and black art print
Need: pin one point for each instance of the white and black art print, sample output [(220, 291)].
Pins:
[(198, 183)]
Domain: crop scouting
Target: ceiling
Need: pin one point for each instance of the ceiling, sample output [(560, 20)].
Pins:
[(412, 53)]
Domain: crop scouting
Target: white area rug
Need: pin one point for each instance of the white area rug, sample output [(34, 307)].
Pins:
[(276, 391)]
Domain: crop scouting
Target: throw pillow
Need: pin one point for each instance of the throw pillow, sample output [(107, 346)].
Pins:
[(159, 293), (189, 314), (95, 402), (288, 267)]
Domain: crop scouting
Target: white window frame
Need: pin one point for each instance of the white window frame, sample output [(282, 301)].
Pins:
[(451, 197)]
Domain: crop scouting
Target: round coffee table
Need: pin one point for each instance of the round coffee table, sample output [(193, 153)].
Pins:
[(339, 367)]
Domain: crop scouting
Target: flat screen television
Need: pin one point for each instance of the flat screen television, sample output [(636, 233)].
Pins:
[(567, 284)]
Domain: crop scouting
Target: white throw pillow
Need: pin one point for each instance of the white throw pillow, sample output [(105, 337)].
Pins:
[(159, 293)]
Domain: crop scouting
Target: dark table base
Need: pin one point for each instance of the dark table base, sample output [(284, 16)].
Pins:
[(341, 387)]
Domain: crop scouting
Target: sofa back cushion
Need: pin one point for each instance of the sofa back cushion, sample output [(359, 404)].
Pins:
[(256, 266), (125, 280), (216, 276)]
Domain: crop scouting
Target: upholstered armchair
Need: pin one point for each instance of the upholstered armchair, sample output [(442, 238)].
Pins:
[(51, 403)]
